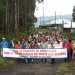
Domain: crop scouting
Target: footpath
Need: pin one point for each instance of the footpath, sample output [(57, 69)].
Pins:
[(21, 68)]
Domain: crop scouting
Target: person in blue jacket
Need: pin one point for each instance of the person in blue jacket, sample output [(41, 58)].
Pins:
[(3, 44)]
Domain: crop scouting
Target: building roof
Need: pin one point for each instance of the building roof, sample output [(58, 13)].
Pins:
[(66, 23)]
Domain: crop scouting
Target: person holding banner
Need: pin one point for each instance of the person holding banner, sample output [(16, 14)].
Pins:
[(27, 46), (11, 43), (43, 45), (18, 45), (3, 44), (36, 46), (52, 46)]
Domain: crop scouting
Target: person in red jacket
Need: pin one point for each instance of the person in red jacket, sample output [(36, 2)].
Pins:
[(69, 48), (18, 45), (64, 43), (21, 38)]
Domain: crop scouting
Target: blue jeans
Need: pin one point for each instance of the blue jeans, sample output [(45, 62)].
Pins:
[(26, 60)]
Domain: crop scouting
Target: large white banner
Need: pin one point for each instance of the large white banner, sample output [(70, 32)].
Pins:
[(35, 53)]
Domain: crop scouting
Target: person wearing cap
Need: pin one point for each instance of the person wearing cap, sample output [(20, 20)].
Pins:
[(3, 44)]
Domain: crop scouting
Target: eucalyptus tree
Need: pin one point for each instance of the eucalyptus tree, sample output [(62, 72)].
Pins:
[(2, 10), (17, 15)]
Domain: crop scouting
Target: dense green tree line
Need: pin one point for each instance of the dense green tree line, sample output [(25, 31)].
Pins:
[(17, 15)]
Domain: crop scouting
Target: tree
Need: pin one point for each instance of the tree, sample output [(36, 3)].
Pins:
[(7, 17), (2, 16), (17, 15), (16, 19)]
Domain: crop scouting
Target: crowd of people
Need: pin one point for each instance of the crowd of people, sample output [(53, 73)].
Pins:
[(41, 41)]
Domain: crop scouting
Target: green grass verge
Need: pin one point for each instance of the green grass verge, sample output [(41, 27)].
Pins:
[(67, 68), (70, 34), (5, 61)]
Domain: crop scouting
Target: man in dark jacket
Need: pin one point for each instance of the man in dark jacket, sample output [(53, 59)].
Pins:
[(11, 43)]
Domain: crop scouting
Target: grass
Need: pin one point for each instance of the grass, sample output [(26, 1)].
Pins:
[(1, 62), (62, 68), (5, 61), (69, 34), (67, 68)]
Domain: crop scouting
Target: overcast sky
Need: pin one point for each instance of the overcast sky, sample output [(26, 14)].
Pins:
[(62, 7)]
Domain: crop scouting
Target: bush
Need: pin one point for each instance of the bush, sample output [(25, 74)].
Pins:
[(70, 34)]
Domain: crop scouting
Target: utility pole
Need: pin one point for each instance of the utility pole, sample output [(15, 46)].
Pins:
[(60, 15), (55, 23), (71, 26), (55, 17), (43, 12), (40, 21)]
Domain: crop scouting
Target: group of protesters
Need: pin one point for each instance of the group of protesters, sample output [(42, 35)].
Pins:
[(40, 41)]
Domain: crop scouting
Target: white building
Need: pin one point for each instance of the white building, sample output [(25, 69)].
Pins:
[(66, 24)]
